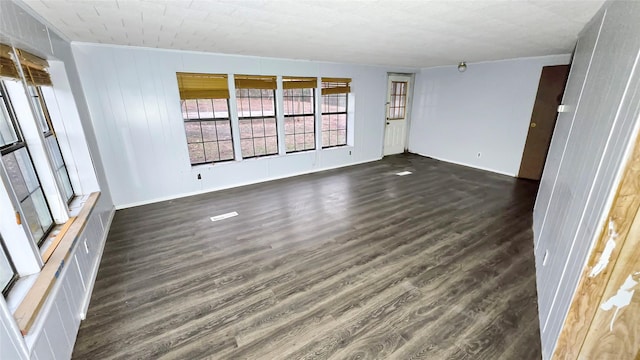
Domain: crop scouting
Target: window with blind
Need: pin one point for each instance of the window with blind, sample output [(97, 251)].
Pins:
[(335, 93), (255, 96), (299, 113), (205, 111)]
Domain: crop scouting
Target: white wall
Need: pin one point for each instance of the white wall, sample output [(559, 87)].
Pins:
[(585, 158), (53, 334), (134, 103), (478, 118)]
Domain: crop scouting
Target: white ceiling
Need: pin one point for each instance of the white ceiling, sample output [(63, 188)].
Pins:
[(385, 32)]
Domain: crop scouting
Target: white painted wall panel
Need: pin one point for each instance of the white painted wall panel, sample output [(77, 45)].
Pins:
[(133, 97), (485, 110), (572, 96), (586, 176), (8, 348)]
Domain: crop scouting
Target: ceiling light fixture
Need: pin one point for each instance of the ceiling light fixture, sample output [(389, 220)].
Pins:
[(462, 67)]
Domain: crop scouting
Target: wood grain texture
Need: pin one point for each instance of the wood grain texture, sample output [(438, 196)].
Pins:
[(591, 290), (353, 263)]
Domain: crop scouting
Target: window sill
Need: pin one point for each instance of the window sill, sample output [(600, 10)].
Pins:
[(38, 289)]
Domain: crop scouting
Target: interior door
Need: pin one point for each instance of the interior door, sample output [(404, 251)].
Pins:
[(543, 121), (398, 96)]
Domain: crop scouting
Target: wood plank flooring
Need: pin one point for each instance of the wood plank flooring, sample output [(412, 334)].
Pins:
[(353, 263)]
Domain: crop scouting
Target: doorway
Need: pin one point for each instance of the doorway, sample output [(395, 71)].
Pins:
[(398, 100), (543, 121)]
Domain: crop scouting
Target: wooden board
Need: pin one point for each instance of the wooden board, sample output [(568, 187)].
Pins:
[(29, 308), (591, 290), (56, 241)]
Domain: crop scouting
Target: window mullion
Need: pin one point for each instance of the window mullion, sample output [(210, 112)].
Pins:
[(233, 115), (280, 117)]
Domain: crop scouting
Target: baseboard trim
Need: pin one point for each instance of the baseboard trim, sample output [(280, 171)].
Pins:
[(199, 192), (96, 265)]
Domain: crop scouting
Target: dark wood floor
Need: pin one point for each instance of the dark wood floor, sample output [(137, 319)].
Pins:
[(350, 263)]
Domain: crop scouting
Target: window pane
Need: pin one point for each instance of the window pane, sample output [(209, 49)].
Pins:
[(226, 150), (256, 109), (54, 149), (15, 175), (30, 214), (60, 168), (224, 130), (7, 132), (191, 107), (196, 153), (211, 151), (245, 129), (205, 108), (246, 146), (44, 216), (209, 131), (290, 144), (193, 131), (334, 119), (66, 182), (6, 270), (270, 127), (40, 113)]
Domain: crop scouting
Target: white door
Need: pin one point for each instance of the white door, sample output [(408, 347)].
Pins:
[(398, 96)]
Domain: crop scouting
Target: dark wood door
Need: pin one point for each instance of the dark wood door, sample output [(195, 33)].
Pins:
[(543, 120)]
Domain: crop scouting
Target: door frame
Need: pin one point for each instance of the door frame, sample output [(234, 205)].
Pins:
[(412, 77)]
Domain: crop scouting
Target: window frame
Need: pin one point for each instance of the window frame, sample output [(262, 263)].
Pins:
[(261, 117), (311, 115), (214, 120), (35, 95), (19, 144), (325, 97), (15, 276)]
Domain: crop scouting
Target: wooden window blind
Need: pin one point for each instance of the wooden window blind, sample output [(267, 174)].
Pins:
[(294, 82), (202, 86), (8, 68), (255, 82), (34, 68), (335, 86)]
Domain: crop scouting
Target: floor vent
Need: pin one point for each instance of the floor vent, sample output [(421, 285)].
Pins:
[(224, 216)]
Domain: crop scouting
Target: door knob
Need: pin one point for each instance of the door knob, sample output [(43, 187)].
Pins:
[(533, 125)]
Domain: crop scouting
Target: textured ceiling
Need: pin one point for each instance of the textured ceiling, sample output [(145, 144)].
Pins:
[(402, 32)]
